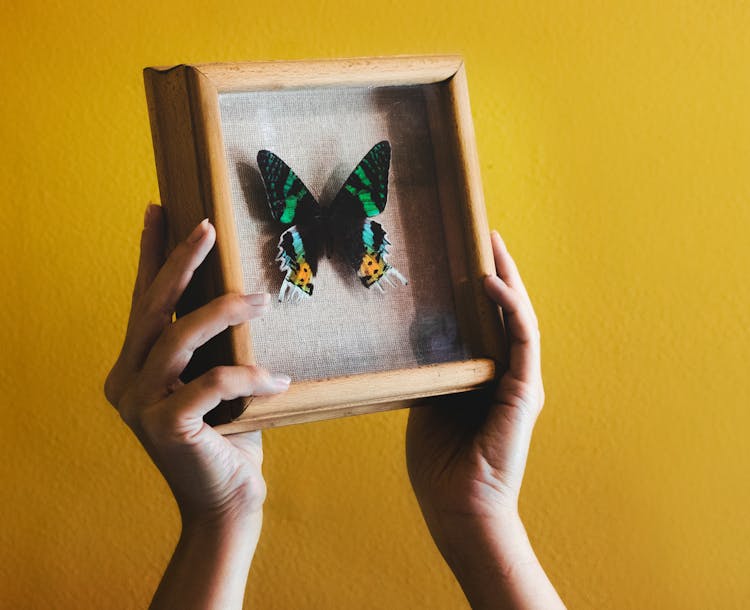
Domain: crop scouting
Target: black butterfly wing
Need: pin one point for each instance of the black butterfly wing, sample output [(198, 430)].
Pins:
[(289, 199), (365, 247), (362, 241)]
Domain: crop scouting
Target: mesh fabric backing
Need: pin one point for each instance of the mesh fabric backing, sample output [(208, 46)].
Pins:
[(343, 328)]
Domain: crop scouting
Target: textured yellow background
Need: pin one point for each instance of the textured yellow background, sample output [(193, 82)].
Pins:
[(615, 149)]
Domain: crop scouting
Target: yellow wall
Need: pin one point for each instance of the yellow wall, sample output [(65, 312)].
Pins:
[(615, 149)]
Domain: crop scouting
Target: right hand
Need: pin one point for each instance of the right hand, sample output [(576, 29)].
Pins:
[(466, 454)]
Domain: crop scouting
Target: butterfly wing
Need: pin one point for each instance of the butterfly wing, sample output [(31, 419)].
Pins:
[(365, 247), (299, 250), (299, 246), (366, 189), (363, 241), (289, 199)]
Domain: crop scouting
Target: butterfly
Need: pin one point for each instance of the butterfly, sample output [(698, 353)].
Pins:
[(343, 227)]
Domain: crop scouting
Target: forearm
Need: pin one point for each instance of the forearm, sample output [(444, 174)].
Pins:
[(210, 565), (496, 566)]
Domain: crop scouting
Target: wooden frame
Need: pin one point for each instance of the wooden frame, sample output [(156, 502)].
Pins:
[(184, 110)]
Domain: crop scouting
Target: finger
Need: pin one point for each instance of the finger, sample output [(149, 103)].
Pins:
[(176, 345), (153, 312), (176, 273), (506, 268), (504, 263), (151, 258), (518, 319), (193, 400), (152, 249), (523, 334)]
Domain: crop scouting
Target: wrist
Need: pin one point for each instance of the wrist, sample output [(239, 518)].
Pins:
[(487, 554), (496, 538), (240, 510), (210, 564), (235, 521), (233, 536)]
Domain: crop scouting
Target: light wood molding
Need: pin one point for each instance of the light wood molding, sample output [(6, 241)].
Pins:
[(362, 71), (355, 394)]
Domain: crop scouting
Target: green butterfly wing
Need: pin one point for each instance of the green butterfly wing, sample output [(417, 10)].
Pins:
[(289, 199), (366, 188)]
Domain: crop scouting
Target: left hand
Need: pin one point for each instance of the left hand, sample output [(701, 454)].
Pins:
[(213, 477)]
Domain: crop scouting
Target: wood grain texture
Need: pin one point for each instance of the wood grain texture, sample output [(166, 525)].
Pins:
[(356, 394), (217, 194), (449, 194), (477, 246), (184, 133), (360, 71), (464, 217)]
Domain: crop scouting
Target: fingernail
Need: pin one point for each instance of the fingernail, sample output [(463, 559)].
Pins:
[(258, 298), (280, 380), (148, 215), (198, 232)]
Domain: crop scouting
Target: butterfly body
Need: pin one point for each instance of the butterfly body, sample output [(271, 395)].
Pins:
[(344, 227)]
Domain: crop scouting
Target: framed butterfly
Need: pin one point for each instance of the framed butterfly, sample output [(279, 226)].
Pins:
[(344, 227)]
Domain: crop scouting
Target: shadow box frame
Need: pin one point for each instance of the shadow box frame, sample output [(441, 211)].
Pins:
[(192, 169)]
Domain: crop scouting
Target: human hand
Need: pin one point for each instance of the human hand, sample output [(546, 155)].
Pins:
[(466, 456), (213, 477)]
